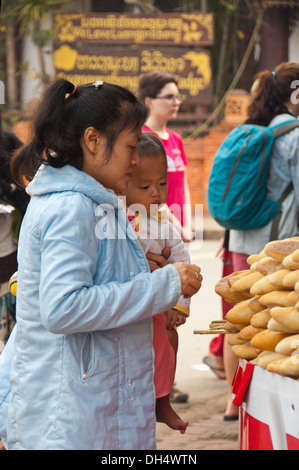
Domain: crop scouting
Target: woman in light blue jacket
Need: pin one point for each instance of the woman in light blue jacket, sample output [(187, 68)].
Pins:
[(77, 372)]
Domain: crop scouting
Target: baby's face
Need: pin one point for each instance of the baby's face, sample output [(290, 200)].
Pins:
[(148, 184)]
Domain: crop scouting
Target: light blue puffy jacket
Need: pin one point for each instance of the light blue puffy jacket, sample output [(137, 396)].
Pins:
[(80, 359)]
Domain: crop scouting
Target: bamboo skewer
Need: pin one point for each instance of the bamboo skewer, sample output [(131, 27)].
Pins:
[(216, 327), (210, 332)]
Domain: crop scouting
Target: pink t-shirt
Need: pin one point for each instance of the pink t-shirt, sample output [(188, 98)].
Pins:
[(176, 163)]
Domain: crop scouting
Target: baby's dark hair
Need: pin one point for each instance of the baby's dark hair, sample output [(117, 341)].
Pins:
[(63, 115), (151, 146)]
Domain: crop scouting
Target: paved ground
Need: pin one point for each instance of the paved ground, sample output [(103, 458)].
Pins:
[(207, 394)]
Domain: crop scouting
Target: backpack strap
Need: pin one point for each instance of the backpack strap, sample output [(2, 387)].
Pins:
[(278, 132), (285, 128)]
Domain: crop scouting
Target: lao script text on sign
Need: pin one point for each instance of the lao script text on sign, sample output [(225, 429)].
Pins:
[(187, 29), (124, 66)]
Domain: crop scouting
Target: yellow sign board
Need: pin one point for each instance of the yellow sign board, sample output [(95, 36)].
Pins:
[(195, 29), (124, 66)]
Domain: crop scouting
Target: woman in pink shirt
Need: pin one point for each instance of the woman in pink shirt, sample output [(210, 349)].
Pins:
[(159, 91)]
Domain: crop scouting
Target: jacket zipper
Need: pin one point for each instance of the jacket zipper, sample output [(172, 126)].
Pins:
[(88, 342)]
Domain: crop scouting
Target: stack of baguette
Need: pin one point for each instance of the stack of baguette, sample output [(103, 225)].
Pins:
[(265, 309)]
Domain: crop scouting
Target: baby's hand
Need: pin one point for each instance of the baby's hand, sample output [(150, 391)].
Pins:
[(181, 320), (171, 318)]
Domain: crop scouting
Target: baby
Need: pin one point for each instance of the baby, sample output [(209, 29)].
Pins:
[(146, 195)]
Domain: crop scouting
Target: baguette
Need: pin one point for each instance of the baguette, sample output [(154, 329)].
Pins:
[(255, 305), (247, 333), (295, 256), (289, 262), (233, 327), (274, 325), (288, 345), (233, 277), (245, 351), (266, 357), (233, 340), (277, 278), (240, 313), (254, 258), (268, 265), (291, 279), (267, 340), (225, 291), (288, 367), (279, 249), (293, 296), (253, 267), (261, 319), (287, 316), (278, 299), (245, 283), (264, 285)]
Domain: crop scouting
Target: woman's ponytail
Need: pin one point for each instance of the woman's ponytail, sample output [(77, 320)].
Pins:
[(45, 145), (25, 161), (271, 92)]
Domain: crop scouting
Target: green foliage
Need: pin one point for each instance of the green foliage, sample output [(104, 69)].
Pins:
[(29, 13)]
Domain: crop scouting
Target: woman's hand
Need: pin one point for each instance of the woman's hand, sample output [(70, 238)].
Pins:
[(158, 261), (191, 278)]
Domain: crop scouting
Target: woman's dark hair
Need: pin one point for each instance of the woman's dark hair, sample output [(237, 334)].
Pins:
[(151, 83), (9, 192), (271, 91), (63, 115)]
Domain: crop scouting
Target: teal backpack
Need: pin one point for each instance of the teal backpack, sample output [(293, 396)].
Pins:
[(237, 192)]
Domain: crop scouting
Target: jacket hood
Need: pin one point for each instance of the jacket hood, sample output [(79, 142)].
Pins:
[(68, 178)]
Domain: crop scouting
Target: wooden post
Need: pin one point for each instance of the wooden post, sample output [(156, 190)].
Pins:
[(274, 38)]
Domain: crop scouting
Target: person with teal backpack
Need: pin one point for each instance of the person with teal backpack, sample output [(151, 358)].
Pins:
[(237, 191), (253, 188)]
